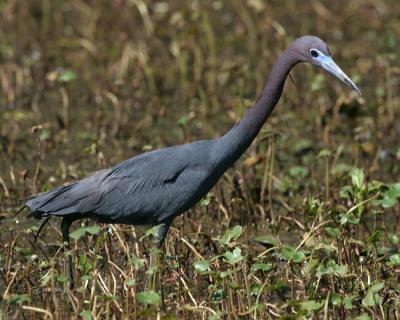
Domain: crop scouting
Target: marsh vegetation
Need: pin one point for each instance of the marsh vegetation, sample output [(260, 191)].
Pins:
[(305, 225)]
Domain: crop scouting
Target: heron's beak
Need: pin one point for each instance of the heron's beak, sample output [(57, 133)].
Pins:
[(329, 65)]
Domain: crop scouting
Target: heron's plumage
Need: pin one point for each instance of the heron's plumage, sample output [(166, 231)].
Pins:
[(151, 187), (156, 186)]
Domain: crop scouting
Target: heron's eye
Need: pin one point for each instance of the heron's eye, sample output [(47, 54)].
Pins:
[(314, 53)]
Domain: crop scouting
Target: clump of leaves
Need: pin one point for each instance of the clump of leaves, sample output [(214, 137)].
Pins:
[(230, 236), (291, 254), (148, 297), (17, 299), (372, 298), (79, 233), (390, 196), (331, 268)]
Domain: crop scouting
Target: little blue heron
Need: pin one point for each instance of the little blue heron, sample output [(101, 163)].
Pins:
[(155, 187)]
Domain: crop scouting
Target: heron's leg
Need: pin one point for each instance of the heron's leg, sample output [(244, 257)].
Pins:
[(161, 234), (159, 238), (65, 224)]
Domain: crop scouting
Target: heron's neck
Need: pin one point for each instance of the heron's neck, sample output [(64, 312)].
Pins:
[(238, 139)]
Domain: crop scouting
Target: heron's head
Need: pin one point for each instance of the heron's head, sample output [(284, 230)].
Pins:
[(315, 51)]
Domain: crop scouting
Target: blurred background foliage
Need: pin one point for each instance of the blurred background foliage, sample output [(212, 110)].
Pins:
[(87, 84)]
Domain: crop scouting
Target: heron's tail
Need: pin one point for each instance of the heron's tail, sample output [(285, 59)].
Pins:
[(21, 209), (39, 204)]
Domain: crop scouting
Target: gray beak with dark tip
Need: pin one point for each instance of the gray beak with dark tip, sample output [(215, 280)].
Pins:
[(329, 65), (326, 62)]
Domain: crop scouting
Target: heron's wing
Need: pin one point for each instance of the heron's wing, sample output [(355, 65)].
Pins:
[(126, 189), (67, 199), (140, 189)]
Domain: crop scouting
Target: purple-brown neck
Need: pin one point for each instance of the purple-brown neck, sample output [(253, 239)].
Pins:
[(231, 146)]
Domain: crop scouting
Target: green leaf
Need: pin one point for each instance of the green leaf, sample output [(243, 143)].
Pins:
[(302, 146), (395, 238), (326, 247), (289, 253), (138, 263), (393, 191), (375, 186), (317, 82), (313, 205), (201, 265), (375, 236), (390, 197), (261, 267), (19, 299), (357, 178), (394, 260), (231, 235), (148, 297), (346, 218), (218, 295), (341, 270), (348, 302), (255, 289), (86, 315), (151, 232), (79, 233), (259, 307), (298, 171), (345, 192), (205, 201), (311, 305), (183, 120), (93, 230), (324, 153), (380, 91), (336, 299), (110, 298), (331, 268), (333, 232), (66, 76), (130, 282), (267, 240), (233, 257), (45, 279), (44, 135), (86, 277), (388, 202), (372, 297), (340, 169)]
